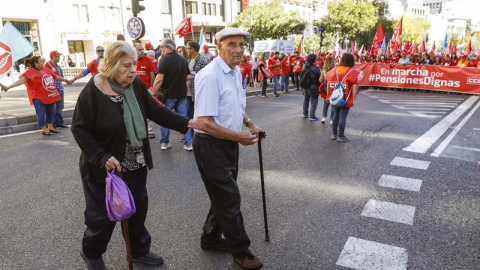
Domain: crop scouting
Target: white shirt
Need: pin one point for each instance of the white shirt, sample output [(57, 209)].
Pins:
[(255, 64), (219, 94)]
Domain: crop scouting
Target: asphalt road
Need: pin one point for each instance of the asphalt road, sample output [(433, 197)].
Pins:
[(318, 194)]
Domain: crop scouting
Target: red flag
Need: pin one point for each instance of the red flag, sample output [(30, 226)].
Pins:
[(396, 40), (432, 51), (407, 48), (377, 40), (423, 48), (184, 27), (414, 48), (450, 47), (469, 48), (5, 59)]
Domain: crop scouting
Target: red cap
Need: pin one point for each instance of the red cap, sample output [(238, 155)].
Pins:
[(248, 56), (148, 46), (54, 53), (205, 47)]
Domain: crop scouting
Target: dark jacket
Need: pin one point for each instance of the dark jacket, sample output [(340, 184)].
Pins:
[(99, 128)]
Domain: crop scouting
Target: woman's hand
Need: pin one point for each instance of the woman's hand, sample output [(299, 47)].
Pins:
[(192, 124), (113, 163)]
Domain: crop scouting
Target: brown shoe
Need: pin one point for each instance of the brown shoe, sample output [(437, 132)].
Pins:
[(248, 261)]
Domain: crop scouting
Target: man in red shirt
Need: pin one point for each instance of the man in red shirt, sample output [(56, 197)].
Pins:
[(92, 67), (285, 70), (146, 73), (275, 68), (297, 68)]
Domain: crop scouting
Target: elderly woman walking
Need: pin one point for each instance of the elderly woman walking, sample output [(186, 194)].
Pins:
[(110, 127)]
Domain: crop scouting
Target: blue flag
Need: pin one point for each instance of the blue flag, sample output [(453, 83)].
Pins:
[(20, 46), (384, 45), (445, 41)]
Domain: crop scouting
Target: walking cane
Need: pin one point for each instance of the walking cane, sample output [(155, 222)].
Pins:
[(127, 243), (262, 135)]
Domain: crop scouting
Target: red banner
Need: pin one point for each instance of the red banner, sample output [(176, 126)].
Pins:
[(428, 77)]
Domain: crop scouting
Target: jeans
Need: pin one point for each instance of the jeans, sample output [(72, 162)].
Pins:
[(264, 87), (297, 80), (244, 82), (255, 75), (190, 110), (339, 120), (275, 84), (309, 98), (284, 83), (58, 111), (179, 105), (325, 109), (45, 113)]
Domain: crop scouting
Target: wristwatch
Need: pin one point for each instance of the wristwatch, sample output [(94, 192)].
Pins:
[(247, 122)]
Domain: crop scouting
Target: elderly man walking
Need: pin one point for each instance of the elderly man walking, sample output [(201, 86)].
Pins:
[(172, 75), (220, 112)]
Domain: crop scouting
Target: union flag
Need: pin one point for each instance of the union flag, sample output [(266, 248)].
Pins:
[(184, 28)]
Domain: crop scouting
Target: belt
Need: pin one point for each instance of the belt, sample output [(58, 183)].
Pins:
[(205, 135)]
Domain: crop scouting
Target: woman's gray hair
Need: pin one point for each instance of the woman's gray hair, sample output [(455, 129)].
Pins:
[(113, 54), (151, 53), (170, 44)]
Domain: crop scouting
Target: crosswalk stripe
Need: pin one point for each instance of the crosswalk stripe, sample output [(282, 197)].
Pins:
[(400, 213), (424, 142), (363, 254), (410, 163), (399, 182)]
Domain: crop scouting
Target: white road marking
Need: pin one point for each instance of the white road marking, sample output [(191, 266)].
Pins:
[(424, 142), (476, 128), (431, 103), (410, 163), (398, 182), (400, 213), (467, 148), (18, 134), (419, 114), (438, 151), (363, 254)]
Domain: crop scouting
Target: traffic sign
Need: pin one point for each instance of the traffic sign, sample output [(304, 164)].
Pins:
[(135, 28)]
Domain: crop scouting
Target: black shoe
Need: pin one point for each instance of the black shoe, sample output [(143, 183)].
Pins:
[(61, 126), (221, 245), (150, 259), (94, 264)]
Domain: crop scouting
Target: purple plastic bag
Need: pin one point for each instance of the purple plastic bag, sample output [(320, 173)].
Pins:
[(119, 200)]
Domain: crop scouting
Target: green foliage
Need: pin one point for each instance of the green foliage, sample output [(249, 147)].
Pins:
[(357, 20), (269, 20), (413, 28)]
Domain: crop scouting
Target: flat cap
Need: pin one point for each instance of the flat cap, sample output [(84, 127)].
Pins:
[(227, 32)]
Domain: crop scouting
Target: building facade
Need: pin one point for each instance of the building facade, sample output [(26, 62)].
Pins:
[(76, 27)]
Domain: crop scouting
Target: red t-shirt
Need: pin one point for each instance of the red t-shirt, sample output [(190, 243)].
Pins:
[(350, 79), (275, 70), (144, 67), (41, 85), (285, 68), (475, 64), (245, 69), (298, 66), (93, 67)]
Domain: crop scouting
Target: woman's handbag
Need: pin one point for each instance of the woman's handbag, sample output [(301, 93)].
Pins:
[(321, 90), (119, 200), (268, 74)]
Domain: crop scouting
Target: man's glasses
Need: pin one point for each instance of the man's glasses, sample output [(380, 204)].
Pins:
[(100, 50)]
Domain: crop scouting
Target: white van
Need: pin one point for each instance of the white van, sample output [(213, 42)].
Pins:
[(272, 46)]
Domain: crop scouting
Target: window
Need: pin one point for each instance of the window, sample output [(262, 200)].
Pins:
[(214, 10), (81, 13), (103, 16), (115, 18), (166, 6), (166, 33), (221, 10), (204, 8), (191, 7), (209, 9)]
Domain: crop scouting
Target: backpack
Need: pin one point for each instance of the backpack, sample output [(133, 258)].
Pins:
[(337, 98), (305, 79)]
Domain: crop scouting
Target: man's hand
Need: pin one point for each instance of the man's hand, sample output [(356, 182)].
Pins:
[(192, 124), (246, 138), (255, 130)]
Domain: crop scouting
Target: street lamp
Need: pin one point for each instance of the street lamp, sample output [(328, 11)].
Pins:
[(322, 35)]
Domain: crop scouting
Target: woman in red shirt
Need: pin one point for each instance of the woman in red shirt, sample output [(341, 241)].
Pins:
[(262, 67), (246, 70), (41, 90), (284, 72), (349, 77)]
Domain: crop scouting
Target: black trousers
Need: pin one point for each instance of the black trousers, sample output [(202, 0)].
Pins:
[(99, 227), (255, 75), (217, 161)]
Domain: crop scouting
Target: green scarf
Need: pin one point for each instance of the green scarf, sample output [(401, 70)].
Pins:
[(132, 116)]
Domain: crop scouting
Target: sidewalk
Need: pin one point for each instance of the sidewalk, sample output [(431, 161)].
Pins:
[(17, 115)]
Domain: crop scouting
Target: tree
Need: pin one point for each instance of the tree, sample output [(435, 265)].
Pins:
[(414, 28), (269, 20), (357, 20)]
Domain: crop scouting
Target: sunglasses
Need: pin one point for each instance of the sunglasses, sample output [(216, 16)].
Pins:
[(100, 50)]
